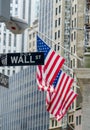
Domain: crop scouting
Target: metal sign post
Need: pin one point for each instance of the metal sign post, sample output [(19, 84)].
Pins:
[(4, 80)]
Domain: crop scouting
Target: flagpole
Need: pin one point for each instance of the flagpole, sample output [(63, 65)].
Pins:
[(70, 126), (68, 68), (60, 46)]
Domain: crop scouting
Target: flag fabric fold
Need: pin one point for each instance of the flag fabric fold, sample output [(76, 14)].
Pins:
[(58, 103), (52, 79), (52, 64)]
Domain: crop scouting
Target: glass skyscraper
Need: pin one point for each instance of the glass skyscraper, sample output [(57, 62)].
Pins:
[(22, 105), (12, 43)]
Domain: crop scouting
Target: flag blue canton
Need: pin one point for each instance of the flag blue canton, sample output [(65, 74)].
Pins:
[(42, 47), (57, 78)]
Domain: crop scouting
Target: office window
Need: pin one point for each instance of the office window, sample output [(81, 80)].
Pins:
[(59, 21), (29, 44), (72, 105), (73, 62), (16, 11), (16, 1), (56, 11), (59, 8), (55, 47), (4, 50), (52, 123), (58, 33), (55, 123), (55, 23), (14, 40), (74, 35), (33, 43), (56, 1), (77, 120), (71, 49), (80, 120), (24, 3), (33, 35), (4, 39), (75, 22), (74, 48), (72, 10), (4, 28), (69, 119), (9, 39), (75, 8), (58, 46), (3, 71), (30, 36), (8, 72), (72, 23), (9, 51), (55, 35), (13, 71)]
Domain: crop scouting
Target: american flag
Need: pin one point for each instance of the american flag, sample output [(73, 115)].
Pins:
[(58, 103), (52, 64)]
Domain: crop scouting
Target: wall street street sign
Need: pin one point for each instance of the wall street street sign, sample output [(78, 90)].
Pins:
[(21, 59), (4, 80)]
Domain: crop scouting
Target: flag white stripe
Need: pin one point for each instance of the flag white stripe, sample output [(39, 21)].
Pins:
[(59, 92), (50, 64), (57, 86), (61, 98), (58, 98), (38, 71), (48, 56), (63, 110), (55, 68), (69, 99)]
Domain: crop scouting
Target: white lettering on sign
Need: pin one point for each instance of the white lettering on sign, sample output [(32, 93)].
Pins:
[(14, 59), (38, 57), (22, 59)]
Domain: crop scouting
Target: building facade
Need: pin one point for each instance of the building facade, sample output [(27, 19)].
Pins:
[(78, 119), (46, 20), (54, 24), (32, 32), (22, 106), (69, 22), (9, 42), (77, 38), (87, 23)]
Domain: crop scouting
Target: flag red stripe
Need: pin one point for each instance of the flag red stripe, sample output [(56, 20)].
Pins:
[(40, 71), (51, 68), (69, 103), (66, 108), (63, 104), (57, 70), (59, 85), (62, 94), (56, 93), (49, 60), (65, 94), (62, 111)]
